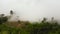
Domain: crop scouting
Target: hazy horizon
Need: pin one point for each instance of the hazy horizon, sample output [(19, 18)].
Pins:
[(31, 10)]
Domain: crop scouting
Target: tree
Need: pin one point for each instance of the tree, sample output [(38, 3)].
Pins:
[(11, 12), (3, 20), (1, 15), (44, 20)]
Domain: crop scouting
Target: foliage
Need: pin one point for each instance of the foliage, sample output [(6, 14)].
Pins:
[(36, 28), (22, 27), (3, 20)]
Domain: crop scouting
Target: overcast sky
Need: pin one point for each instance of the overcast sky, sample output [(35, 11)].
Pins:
[(32, 10)]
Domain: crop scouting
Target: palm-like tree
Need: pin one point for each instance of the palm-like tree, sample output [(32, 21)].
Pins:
[(44, 20), (52, 18), (11, 12)]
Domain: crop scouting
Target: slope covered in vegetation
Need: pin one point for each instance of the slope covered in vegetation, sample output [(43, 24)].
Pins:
[(30, 28), (26, 27)]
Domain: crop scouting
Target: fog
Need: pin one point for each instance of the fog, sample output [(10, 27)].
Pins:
[(32, 10)]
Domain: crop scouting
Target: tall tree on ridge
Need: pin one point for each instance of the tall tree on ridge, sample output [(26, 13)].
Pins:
[(11, 12)]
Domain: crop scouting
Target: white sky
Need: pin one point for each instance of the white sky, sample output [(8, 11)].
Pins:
[(32, 10)]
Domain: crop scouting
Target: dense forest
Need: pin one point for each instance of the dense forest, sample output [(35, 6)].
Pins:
[(26, 27)]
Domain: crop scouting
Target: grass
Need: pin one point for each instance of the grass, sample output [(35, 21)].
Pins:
[(30, 28)]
